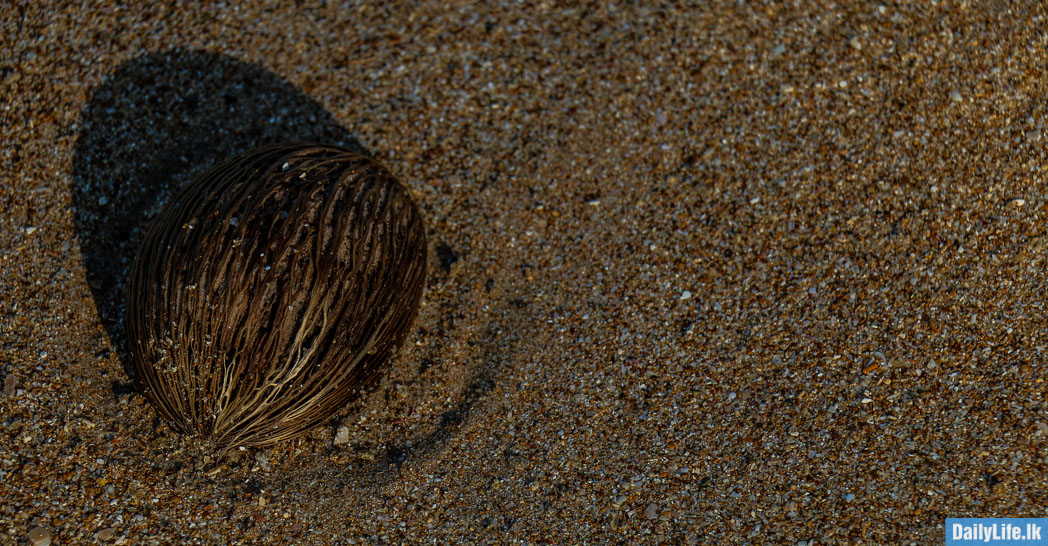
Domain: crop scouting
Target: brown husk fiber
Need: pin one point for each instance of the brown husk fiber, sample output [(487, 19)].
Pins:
[(271, 290)]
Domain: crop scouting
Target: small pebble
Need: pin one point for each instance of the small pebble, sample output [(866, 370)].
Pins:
[(849, 497), (342, 436), (651, 511), (105, 534), (685, 295), (263, 462), (956, 97), (29, 230), (40, 536)]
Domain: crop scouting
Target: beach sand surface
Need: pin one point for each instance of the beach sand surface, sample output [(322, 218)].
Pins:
[(743, 273)]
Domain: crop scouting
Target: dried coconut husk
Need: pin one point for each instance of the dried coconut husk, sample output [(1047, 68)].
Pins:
[(271, 290)]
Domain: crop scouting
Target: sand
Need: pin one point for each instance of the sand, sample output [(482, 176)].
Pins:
[(733, 274)]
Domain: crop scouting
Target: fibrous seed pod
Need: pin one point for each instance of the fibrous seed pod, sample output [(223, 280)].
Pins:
[(270, 291)]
